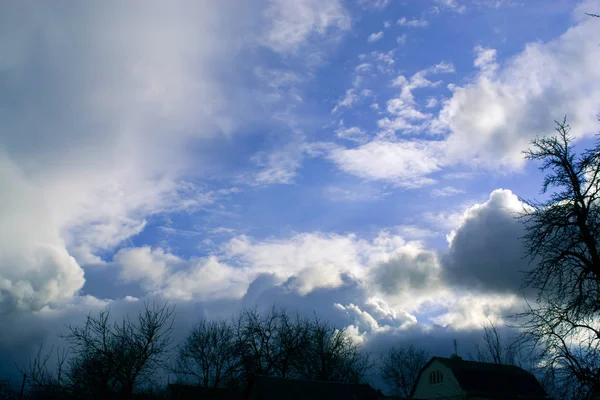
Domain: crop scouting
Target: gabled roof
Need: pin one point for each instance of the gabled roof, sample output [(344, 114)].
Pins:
[(493, 380), (270, 388)]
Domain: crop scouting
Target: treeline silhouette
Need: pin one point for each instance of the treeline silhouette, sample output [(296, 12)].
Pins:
[(122, 359)]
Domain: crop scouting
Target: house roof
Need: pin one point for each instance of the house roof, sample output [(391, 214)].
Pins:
[(270, 388), (493, 380)]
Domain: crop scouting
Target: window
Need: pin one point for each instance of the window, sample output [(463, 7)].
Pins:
[(436, 377)]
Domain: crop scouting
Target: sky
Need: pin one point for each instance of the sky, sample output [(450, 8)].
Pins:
[(361, 160)]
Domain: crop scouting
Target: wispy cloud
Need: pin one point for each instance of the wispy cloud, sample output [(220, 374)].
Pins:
[(290, 24), (374, 37), (446, 191), (412, 23)]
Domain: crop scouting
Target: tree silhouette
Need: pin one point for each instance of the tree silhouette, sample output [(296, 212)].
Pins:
[(562, 242), (400, 368)]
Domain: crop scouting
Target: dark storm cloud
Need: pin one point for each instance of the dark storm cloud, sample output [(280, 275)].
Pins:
[(486, 251), (407, 272)]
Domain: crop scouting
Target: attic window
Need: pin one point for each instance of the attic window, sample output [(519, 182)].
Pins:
[(436, 377)]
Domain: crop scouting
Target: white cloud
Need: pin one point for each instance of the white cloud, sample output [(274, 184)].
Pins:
[(353, 133), (349, 99), (473, 310), (405, 115), (387, 24), (431, 102), (442, 67), (102, 129), (279, 85), (453, 5), (363, 67), (279, 166), (303, 256), (316, 260), (174, 278), (443, 221), (35, 268), (401, 39), (412, 23), (415, 232), (493, 118), (374, 37), (354, 193), (145, 265), (485, 60), (383, 61), (405, 163), (206, 279), (374, 4), (291, 23), (446, 191)]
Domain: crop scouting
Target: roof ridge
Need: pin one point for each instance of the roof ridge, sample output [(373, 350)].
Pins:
[(456, 361)]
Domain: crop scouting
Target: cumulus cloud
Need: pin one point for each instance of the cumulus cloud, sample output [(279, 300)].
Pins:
[(494, 117), (491, 119), (384, 267), (316, 260), (471, 311), (35, 267), (404, 163), (413, 270), (102, 104), (174, 278), (486, 253), (100, 99), (144, 265)]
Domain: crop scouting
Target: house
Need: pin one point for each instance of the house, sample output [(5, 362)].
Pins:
[(270, 388), (457, 379)]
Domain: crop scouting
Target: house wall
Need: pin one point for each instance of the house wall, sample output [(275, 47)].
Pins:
[(448, 390)]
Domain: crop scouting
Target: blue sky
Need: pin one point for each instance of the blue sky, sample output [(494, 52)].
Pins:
[(358, 158)]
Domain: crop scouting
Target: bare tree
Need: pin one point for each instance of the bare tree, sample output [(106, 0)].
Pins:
[(497, 350), (208, 354), (562, 233), (106, 358), (400, 368), (7, 392), (561, 239), (332, 355), (257, 342), (44, 378), (273, 344), (568, 351)]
